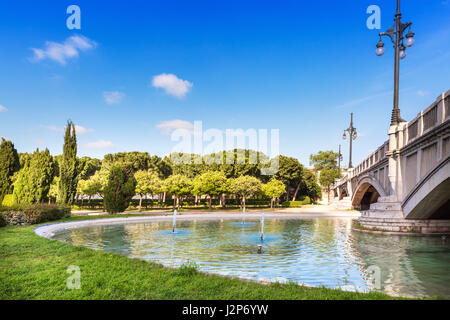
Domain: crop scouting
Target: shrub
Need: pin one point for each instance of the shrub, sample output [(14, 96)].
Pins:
[(8, 201), (2, 221), (118, 191), (296, 204), (306, 200), (292, 204), (33, 214)]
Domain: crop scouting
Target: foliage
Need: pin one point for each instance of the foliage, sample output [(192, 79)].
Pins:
[(296, 204), (2, 221), (53, 192), (9, 164), (8, 201), (33, 181), (148, 182), (68, 167), (309, 186), (245, 186), (33, 214), (87, 167), (210, 183), (327, 176), (178, 185), (324, 160), (118, 191), (273, 189)]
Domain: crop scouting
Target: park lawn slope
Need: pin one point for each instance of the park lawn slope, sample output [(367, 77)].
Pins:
[(32, 267)]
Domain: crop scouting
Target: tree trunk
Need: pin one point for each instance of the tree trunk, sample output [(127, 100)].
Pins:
[(271, 203), (243, 201), (296, 191), (164, 197), (140, 202), (224, 199), (210, 202)]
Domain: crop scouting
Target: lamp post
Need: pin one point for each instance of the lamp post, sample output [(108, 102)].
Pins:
[(396, 35), (339, 162), (352, 136)]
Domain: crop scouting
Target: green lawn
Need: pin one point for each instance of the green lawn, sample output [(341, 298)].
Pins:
[(32, 267)]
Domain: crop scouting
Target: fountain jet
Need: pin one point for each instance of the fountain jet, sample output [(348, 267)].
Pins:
[(174, 221), (262, 226)]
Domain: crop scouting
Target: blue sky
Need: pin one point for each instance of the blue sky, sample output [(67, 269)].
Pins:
[(297, 66)]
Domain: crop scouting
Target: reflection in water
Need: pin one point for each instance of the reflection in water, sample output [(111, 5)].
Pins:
[(317, 252)]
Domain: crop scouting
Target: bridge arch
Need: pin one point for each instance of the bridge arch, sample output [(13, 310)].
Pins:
[(430, 198), (367, 192)]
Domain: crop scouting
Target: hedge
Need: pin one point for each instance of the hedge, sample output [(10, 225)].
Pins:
[(34, 214), (296, 204)]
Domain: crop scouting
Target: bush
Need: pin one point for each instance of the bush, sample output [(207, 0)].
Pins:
[(33, 214), (296, 204), (118, 191), (8, 201), (2, 221)]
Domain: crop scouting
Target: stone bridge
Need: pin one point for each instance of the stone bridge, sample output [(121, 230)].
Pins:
[(404, 185)]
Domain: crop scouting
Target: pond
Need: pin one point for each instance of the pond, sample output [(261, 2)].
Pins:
[(315, 252)]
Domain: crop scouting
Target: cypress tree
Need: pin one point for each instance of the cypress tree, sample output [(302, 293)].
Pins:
[(9, 164), (67, 187), (119, 190), (34, 179)]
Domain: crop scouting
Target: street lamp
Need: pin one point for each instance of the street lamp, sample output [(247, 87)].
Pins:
[(396, 35), (352, 135), (339, 161)]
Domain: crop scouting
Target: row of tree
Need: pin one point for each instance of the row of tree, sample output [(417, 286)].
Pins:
[(39, 177)]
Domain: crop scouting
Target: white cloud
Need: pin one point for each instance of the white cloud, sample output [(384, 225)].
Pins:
[(82, 130), (3, 109), (167, 127), (61, 52), (101, 144), (172, 85), (113, 97)]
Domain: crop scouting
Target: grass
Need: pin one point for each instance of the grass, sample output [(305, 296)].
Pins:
[(32, 267)]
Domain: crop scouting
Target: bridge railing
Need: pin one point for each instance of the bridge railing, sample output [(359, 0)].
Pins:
[(426, 120)]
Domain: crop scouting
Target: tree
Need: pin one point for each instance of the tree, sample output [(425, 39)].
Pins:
[(119, 190), (53, 192), (326, 178), (179, 186), (210, 183), (87, 167), (68, 166), (33, 181), (9, 164), (326, 164), (290, 173), (324, 159), (309, 186), (148, 182), (245, 186), (273, 189)]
